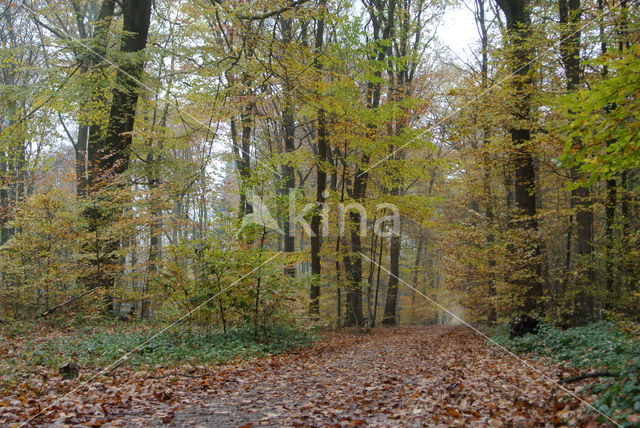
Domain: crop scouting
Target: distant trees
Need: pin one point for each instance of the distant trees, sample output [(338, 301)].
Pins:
[(22, 120)]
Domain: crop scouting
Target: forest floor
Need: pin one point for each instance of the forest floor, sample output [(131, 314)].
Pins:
[(404, 376)]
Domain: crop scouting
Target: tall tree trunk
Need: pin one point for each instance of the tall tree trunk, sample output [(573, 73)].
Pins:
[(339, 250), (155, 223), (372, 267), (377, 292), (8, 182), (109, 153), (486, 159), (625, 212), (241, 149), (288, 171), (416, 276), (4, 199), (353, 261), (610, 214), (391, 304), (8, 186), (95, 58), (80, 149), (383, 19), (520, 58), (610, 184), (321, 180), (570, 17), (155, 254)]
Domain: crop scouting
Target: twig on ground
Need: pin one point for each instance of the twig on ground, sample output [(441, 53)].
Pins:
[(586, 376)]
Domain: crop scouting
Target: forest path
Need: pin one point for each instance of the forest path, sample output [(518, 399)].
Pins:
[(405, 376)]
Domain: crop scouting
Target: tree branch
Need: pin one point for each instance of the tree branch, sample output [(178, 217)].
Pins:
[(586, 376), (273, 12), (66, 302)]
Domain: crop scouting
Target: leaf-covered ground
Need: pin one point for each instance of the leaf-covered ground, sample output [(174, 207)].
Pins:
[(409, 376)]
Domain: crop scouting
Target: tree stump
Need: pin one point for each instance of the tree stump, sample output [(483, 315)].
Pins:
[(69, 370)]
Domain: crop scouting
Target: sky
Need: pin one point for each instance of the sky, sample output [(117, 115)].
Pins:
[(458, 29)]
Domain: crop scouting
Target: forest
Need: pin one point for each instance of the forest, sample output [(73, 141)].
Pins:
[(195, 188)]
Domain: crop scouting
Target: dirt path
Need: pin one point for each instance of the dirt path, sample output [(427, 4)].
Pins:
[(390, 377), (418, 376)]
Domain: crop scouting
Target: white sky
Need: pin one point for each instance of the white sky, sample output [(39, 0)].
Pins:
[(458, 29)]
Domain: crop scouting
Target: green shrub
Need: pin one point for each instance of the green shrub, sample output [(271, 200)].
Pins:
[(602, 346), (100, 347)]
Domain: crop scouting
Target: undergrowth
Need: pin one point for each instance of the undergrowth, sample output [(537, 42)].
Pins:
[(602, 346), (100, 347)]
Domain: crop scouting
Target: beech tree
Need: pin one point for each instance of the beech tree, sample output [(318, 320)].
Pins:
[(108, 152), (520, 60)]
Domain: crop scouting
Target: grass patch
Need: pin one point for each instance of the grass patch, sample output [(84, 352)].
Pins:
[(98, 347), (602, 346)]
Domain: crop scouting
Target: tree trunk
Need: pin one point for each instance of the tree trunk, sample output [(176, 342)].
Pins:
[(610, 214), (610, 185), (241, 150), (91, 132), (416, 275), (109, 154), (339, 250), (288, 171), (520, 57), (486, 159), (80, 149), (391, 304), (570, 17), (353, 261), (321, 182), (377, 293), (372, 266), (4, 199)]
